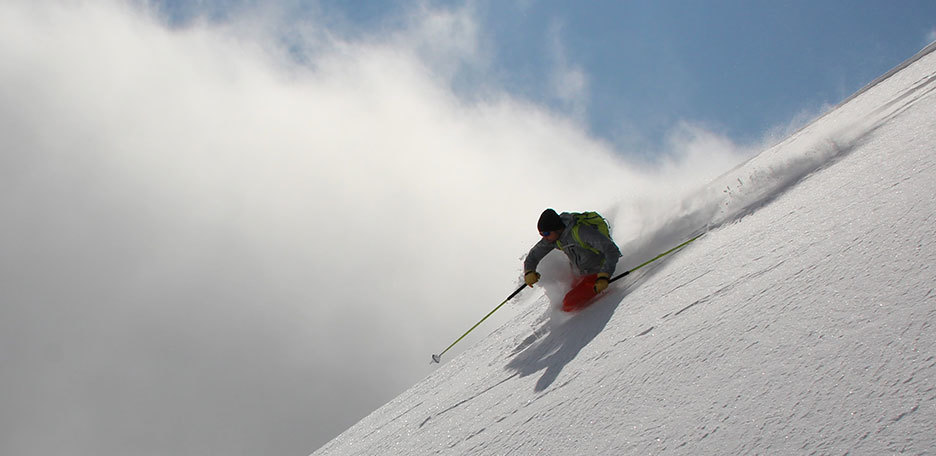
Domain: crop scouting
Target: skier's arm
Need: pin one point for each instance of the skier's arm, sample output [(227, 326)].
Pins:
[(605, 245), (536, 254)]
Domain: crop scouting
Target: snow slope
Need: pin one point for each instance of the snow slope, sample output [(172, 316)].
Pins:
[(803, 322)]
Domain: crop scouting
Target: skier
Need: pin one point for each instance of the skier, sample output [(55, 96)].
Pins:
[(586, 240)]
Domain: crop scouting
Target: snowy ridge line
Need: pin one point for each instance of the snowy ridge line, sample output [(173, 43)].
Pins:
[(923, 52), (900, 67), (761, 179)]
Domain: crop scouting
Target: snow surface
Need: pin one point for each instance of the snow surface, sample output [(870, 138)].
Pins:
[(802, 322)]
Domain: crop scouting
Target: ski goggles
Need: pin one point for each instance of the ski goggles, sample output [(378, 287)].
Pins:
[(545, 233)]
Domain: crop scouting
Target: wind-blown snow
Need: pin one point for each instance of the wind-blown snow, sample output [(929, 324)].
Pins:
[(802, 322)]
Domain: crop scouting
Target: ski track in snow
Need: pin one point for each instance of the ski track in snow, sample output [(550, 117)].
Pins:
[(801, 324)]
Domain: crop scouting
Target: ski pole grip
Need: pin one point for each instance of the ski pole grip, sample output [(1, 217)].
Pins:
[(619, 276)]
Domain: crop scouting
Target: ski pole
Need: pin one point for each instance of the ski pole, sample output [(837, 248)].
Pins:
[(437, 358), (621, 275)]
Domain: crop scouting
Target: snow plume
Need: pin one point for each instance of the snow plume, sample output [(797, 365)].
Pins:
[(816, 146), (230, 237), (771, 173)]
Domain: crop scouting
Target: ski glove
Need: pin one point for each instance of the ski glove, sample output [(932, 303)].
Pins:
[(602, 282), (531, 277)]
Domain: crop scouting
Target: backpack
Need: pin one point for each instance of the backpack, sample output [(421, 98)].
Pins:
[(593, 219)]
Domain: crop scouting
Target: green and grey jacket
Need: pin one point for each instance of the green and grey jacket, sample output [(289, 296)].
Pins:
[(584, 260)]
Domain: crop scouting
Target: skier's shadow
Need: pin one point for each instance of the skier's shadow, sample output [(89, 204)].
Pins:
[(557, 345)]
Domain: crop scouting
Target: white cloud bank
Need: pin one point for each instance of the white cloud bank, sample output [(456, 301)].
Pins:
[(209, 247)]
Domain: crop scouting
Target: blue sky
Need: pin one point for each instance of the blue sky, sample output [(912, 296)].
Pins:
[(739, 68)]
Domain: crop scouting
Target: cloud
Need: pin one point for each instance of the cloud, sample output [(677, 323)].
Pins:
[(220, 240), (931, 35), (569, 81)]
